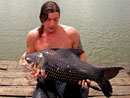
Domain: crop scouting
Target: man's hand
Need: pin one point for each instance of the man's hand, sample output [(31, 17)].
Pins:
[(84, 83), (37, 73), (43, 74)]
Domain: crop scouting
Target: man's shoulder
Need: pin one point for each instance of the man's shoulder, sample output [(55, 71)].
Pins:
[(33, 33), (70, 30)]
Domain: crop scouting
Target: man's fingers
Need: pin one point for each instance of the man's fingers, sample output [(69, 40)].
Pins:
[(83, 82), (88, 81), (43, 73), (79, 82), (86, 85), (37, 73)]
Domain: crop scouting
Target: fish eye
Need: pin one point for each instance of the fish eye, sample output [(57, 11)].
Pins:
[(29, 60)]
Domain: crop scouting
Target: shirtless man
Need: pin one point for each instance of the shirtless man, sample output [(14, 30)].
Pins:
[(53, 35)]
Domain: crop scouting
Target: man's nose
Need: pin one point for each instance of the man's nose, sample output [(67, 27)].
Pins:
[(52, 23)]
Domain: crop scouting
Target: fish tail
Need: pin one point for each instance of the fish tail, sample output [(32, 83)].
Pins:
[(108, 73), (105, 86), (111, 72)]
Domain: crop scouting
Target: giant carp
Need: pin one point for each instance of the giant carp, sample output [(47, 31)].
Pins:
[(65, 65)]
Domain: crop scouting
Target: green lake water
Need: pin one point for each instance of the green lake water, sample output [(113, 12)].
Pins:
[(104, 26)]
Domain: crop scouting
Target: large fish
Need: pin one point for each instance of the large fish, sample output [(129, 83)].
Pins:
[(65, 65)]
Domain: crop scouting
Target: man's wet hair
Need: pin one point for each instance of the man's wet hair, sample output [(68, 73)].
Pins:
[(48, 7)]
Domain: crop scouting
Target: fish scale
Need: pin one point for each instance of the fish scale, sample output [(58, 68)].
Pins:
[(64, 73)]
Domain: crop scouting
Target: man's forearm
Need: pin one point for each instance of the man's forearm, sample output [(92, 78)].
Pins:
[(83, 57)]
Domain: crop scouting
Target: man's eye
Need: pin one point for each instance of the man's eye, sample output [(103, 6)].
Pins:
[(48, 19), (56, 19)]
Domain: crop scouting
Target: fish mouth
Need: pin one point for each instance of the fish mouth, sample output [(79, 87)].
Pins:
[(23, 62), (29, 65), (33, 62)]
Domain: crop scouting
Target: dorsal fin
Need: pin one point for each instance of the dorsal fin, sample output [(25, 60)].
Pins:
[(76, 52), (68, 53)]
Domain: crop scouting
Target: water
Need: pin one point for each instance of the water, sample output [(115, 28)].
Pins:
[(104, 27)]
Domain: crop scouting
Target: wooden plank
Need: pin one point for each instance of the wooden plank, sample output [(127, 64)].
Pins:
[(16, 90), (117, 91), (15, 97), (7, 63), (13, 74), (17, 81), (27, 91), (12, 66), (88, 97), (128, 96), (124, 81)]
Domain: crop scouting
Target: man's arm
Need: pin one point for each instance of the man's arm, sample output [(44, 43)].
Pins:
[(31, 37), (29, 48), (75, 37), (82, 56)]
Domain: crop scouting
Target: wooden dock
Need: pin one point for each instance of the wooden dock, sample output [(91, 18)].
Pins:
[(16, 81)]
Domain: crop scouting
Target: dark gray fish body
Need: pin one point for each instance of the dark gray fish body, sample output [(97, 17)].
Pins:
[(68, 69), (64, 65)]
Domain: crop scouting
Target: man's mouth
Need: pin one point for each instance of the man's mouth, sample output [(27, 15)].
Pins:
[(51, 28)]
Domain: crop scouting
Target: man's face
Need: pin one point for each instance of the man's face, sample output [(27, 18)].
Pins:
[(51, 24)]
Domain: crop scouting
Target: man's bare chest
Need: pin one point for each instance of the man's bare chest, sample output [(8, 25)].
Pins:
[(53, 42)]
